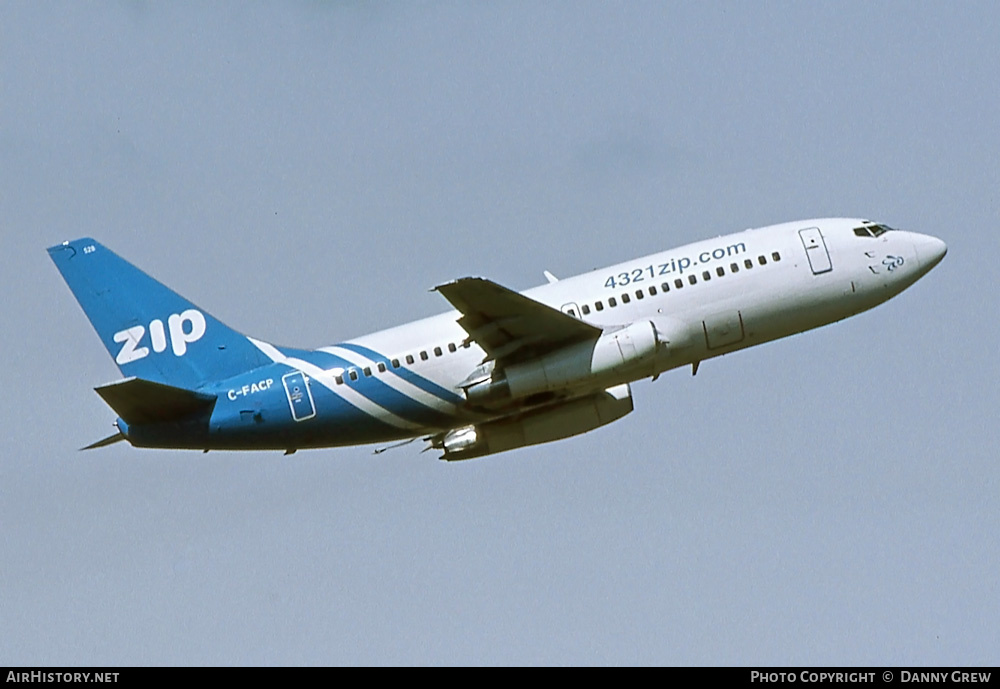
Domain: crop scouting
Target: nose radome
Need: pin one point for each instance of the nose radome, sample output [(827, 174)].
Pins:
[(930, 250)]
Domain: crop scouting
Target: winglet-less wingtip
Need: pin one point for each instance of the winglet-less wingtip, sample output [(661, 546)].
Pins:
[(437, 288)]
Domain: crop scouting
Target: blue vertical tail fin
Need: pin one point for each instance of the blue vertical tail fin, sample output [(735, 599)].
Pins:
[(150, 331)]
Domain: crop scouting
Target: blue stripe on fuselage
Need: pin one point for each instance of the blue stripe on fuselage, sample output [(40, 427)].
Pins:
[(253, 413), (376, 390), (409, 376)]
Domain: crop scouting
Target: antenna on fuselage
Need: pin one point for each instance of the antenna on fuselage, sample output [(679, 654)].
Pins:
[(380, 450)]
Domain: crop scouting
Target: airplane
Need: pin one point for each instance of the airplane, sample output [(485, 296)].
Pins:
[(501, 371)]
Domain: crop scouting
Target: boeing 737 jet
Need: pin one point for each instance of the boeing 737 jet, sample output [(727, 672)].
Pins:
[(502, 370)]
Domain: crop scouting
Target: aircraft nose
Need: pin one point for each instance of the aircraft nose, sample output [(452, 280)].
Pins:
[(930, 250)]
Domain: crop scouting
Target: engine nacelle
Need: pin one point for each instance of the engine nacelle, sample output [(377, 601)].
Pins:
[(604, 361), (538, 426), (674, 334)]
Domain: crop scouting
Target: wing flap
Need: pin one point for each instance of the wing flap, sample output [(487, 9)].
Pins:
[(510, 326), (140, 401)]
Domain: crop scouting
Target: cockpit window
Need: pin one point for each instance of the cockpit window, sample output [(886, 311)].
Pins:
[(871, 230)]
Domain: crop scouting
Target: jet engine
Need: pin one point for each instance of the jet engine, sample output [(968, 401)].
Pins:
[(616, 356), (536, 426)]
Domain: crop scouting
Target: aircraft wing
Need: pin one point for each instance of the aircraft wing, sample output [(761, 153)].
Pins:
[(509, 326)]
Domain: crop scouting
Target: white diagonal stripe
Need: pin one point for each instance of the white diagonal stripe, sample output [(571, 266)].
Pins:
[(397, 383), (326, 379)]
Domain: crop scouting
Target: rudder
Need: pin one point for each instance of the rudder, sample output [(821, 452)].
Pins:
[(150, 331)]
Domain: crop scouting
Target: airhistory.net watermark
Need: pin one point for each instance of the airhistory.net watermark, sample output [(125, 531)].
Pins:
[(61, 677)]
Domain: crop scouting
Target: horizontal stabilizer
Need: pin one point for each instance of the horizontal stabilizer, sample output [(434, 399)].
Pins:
[(140, 401)]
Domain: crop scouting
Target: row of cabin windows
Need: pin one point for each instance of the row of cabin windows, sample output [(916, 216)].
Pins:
[(352, 373), (706, 275), (626, 298)]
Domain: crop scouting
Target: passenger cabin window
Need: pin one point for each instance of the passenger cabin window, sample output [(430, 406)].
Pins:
[(748, 263), (611, 302), (339, 379), (437, 351), (586, 309), (352, 374), (705, 275), (652, 291), (451, 347), (665, 287), (381, 367), (720, 271), (395, 363), (775, 256), (423, 355), (678, 283), (692, 279), (762, 260), (625, 298), (409, 358), (368, 370), (599, 306), (733, 267), (639, 294)]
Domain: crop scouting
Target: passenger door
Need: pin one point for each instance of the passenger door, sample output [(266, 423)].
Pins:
[(299, 395), (815, 245)]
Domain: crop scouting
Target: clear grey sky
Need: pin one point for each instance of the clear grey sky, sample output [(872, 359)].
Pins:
[(306, 171)]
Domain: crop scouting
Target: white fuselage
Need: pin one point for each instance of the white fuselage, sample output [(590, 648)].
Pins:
[(721, 295)]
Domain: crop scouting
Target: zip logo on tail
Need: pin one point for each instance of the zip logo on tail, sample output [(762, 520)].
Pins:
[(184, 328), (137, 317)]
